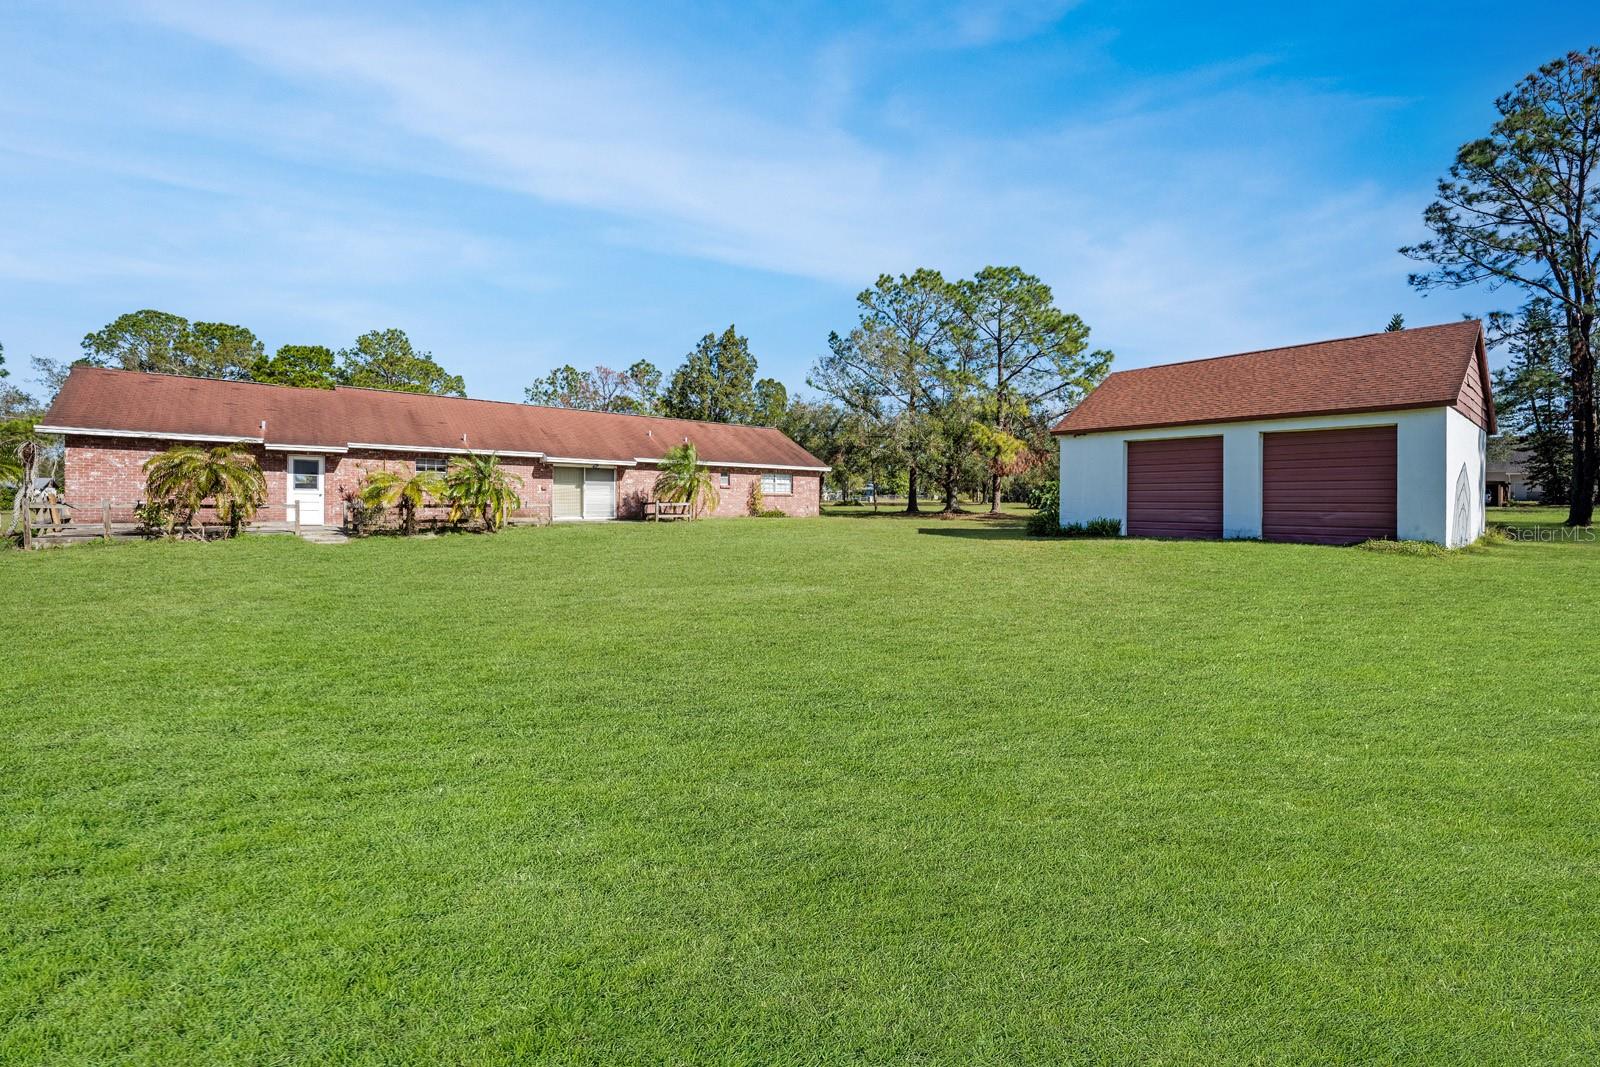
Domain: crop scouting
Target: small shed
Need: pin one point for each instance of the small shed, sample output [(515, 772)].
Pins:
[(1378, 436)]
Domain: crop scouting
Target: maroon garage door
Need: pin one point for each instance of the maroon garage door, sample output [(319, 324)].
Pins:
[(1328, 487), (1175, 488)]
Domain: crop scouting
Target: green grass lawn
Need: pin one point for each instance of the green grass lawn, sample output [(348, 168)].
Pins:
[(800, 792)]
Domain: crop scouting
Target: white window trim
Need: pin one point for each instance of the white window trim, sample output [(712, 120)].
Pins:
[(776, 492)]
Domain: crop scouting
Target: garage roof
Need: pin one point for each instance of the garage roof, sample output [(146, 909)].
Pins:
[(100, 401), (1423, 367)]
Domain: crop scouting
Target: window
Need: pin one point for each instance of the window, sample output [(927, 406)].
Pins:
[(725, 480), (305, 473), (437, 464), (777, 484)]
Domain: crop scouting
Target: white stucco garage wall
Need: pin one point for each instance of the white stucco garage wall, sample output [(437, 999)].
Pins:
[(1466, 472), (1432, 445)]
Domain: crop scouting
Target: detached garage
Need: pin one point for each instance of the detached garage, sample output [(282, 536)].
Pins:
[(1380, 436)]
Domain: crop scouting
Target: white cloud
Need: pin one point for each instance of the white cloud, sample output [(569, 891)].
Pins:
[(725, 181), (1141, 218)]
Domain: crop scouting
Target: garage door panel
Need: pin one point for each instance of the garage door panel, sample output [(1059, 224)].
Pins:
[(1189, 501), (600, 493), (1154, 481), (1197, 482), (1193, 488), (567, 493), (1349, 493), (1175, 488), (1343, 466), (1329, 486)]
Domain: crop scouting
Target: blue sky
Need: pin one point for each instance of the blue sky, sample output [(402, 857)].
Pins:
[(521, 186)]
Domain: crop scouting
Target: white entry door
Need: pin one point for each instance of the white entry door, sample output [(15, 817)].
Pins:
[(306, 489)]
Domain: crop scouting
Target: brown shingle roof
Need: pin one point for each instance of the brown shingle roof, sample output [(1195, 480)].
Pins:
[(95, 398), (1423, 367)]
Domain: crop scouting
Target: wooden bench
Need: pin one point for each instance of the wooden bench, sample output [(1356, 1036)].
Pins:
[(666, 510)]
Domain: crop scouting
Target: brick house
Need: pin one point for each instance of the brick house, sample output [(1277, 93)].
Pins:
[(315, 445)]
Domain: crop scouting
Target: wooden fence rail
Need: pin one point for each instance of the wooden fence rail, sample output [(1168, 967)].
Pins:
[(62, 521)]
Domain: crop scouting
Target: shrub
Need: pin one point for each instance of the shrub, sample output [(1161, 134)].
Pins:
[(758, 504), (1046, 519), (360, 518), (1051, 527), (155, 517)]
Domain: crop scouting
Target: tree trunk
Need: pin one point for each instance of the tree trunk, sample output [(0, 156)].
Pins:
[(949, 487), (994, 494), (1585, 462), (911, 490)]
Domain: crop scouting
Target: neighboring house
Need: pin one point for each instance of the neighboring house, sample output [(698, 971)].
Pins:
[(314, 445), (1508, 480), (1380, 436)]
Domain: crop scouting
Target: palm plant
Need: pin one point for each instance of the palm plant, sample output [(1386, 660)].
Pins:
[(476, 484), (684, 481), (384, 489), (185, 477)]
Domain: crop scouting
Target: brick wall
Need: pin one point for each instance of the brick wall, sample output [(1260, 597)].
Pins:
[(98, 469), (345, 473), (636, 484), (112, 468)]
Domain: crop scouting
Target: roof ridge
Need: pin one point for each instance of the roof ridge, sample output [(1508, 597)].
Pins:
[(1305, 344), (524, 405), (191, 377), (519, 404)]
